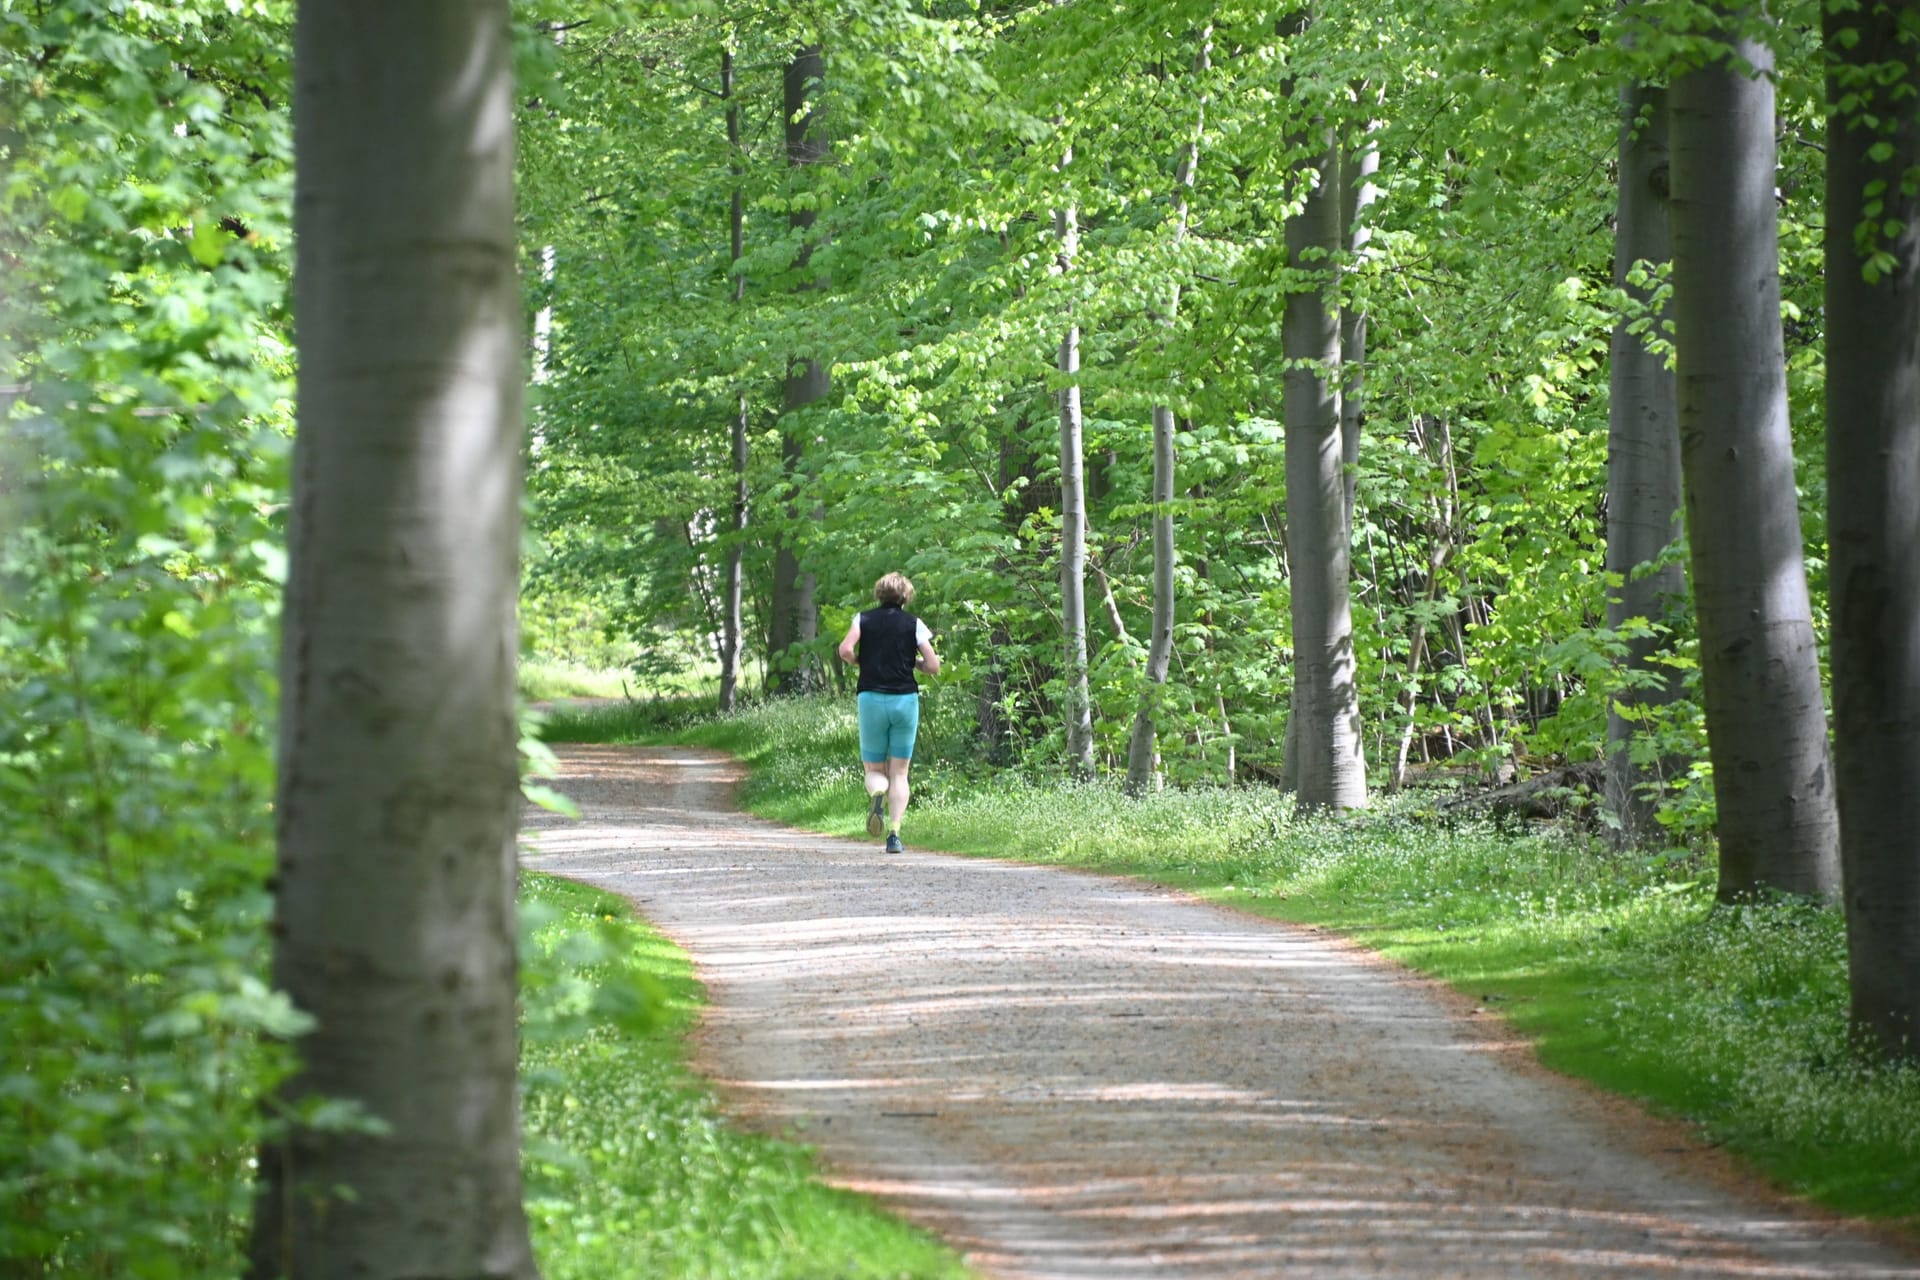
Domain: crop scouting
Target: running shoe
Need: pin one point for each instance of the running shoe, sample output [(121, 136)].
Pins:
[(893, 843), (877, 815)]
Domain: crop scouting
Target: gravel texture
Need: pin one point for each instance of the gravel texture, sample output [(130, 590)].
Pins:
[(1068, 1075)]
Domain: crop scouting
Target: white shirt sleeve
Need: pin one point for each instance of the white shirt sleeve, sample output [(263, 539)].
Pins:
[(920, 633)]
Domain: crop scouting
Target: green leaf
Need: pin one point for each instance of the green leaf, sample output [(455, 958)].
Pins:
[(208, 244)]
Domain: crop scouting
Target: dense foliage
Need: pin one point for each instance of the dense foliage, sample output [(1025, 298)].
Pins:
[(1480, 523), (144, 223), (146, 370)]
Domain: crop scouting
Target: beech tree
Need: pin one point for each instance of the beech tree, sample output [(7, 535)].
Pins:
[(1324, 729), (398, 791), (733, 625), (1766, 721), (796, 614), (1643, 458), (1873, 496)]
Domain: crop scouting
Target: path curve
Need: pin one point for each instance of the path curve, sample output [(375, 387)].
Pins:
[(1074, 1076)]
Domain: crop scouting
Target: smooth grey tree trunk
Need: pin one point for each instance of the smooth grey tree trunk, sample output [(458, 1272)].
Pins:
[(398, 795), (1357, 195), (1142, 750), (1643, 463), (1327, 769), (796, 615), (732, 587), (1142, 744), (1766, 724), (795, 622), (1073, 517), (1873, 530), (733, 629)]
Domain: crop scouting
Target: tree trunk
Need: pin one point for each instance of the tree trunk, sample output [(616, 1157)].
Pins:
[(1437, 558), (1073, 520), (1328, 769), (398, 793), (1357, 194), (1643, 463), (1142, 747), (732, 619), (1873, 494), (796, 621), (796, 616), (733, 593), (1765, 722)]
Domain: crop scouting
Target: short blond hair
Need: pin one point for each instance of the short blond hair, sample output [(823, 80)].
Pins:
[(893, 589)]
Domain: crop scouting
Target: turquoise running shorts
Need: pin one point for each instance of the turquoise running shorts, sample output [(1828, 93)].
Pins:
[(889, 722)]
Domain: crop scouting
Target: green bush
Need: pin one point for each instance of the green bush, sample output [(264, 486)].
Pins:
[(135, 777), (142, 470)]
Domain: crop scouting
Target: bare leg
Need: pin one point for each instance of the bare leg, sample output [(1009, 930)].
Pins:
[(897, 791), (876, 782)]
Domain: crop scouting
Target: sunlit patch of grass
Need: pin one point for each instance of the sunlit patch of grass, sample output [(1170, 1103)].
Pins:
[(1619, 966), (542, 678), (631, 1170), (638, 720)]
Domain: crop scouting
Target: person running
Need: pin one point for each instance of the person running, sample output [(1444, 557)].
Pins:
[(892, 645)]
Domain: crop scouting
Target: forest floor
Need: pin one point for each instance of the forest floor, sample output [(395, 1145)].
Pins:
[(1071, 1075)]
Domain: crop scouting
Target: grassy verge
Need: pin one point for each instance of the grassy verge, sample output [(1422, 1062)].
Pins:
[(543, 678), (1619, 967), (630, 1170)]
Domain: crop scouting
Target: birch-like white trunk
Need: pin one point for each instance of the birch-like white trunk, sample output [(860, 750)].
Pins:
[(1643, 461), (1873, 520), (1327, 767), (1766, 723), (1073, 517), (398, 794)]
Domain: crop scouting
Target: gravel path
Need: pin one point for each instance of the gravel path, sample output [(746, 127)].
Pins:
[(1072, 1076)]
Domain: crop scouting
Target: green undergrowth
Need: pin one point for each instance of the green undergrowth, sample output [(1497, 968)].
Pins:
[(631, 1171), (1620, 967)]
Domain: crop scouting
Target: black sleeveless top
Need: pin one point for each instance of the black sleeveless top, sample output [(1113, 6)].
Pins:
[(888, 647)]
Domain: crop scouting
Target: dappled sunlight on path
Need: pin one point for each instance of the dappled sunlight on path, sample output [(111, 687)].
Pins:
[(1073, 1076)]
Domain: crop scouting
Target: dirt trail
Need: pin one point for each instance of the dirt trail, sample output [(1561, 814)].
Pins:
[(1079, 1077)]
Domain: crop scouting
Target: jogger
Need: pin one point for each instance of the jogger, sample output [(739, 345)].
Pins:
[(891, 645)]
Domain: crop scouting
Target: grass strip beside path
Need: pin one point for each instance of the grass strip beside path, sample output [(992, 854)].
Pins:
[(631, 1171), (1618, 966)]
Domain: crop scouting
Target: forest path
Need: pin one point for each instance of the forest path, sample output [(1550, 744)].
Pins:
[(1073, 1076)]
